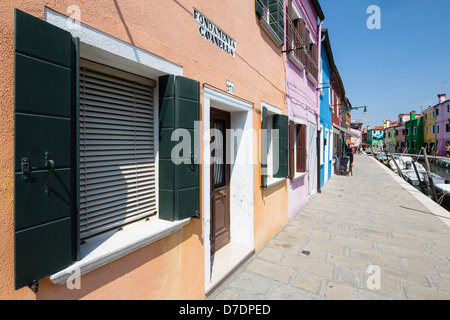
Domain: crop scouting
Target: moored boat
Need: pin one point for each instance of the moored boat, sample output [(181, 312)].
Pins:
[(445, 163)]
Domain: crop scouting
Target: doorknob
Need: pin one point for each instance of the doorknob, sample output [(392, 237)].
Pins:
[(221, 193)]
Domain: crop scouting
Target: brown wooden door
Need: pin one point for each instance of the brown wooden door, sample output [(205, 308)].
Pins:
[(220, 181)]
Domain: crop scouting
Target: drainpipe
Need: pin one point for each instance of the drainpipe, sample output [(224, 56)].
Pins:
[(318, 162), (319, 66)]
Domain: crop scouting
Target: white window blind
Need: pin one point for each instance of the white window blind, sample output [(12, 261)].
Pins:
[(117, 162)]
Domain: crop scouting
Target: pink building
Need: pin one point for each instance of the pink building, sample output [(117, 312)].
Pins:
[(442, 124), (400, 131), (302, 80)]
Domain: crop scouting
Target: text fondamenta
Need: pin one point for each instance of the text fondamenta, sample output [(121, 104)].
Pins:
[(214, 34)]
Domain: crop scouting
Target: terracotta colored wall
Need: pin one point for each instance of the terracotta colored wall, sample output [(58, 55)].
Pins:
[(172, 267)]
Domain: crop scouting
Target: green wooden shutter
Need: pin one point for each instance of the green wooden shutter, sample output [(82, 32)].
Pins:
[(292, 141), (301, 148), (179, 184), (281, 156), (45, 192), (264, 173), (276, 20)]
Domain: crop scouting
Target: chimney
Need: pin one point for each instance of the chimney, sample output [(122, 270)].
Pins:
[(442, 97), (412, 115)]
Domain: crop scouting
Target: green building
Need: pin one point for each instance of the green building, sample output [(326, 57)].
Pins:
[(375, 138), (414, 136)]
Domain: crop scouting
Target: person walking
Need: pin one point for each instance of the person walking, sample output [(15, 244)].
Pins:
[(447, 150)]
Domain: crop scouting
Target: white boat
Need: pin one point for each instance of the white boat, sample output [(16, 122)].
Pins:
[(443, 192), (411, 176), (442, 186), (405, 163)]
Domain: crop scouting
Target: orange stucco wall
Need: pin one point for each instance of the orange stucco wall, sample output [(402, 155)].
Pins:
[(172, 268)]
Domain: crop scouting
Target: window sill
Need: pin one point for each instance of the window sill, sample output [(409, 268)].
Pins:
[(299, 175), (295, 61), (273, 182), (266, 26), (312, 79), (103, 249)]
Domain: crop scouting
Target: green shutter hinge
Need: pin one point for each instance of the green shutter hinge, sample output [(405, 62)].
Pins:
[(34, 286)]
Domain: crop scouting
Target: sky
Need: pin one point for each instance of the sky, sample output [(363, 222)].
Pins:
[(398, 68)]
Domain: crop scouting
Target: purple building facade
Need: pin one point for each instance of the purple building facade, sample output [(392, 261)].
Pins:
[(442, 124)]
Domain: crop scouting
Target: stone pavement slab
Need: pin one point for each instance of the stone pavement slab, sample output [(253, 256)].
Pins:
[(367, 236)]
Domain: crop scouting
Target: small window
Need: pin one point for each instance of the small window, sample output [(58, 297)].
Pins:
[(117, 173), (274, 146), (426, 130), (414, 130), (433, 129), (437, 112), (271, 15), (297, 149)]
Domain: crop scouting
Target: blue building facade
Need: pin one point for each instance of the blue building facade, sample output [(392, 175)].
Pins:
[(326, 152)]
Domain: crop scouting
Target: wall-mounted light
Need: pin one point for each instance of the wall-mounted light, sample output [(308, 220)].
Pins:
[(348, 109)]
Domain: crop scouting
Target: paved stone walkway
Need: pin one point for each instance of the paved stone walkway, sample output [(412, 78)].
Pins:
[(364, 237)]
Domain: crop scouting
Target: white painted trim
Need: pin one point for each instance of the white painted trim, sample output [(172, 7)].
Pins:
[(107, 43), (312, 79), (105, 248), (274, 181), (295, 61), (226, 99), (298, 120), (299, 175), (241, 202), (270, 108)]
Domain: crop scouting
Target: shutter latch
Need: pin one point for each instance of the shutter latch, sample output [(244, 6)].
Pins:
[(26, 172), (50, 164)]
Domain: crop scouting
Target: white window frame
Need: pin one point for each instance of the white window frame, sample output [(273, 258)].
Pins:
[(271, 111), (331, 146), (321, 145)]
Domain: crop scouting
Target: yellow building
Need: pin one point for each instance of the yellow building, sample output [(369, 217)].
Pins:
[(429, 129)]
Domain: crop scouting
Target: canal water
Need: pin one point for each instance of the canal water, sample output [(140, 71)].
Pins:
[(440, 171)]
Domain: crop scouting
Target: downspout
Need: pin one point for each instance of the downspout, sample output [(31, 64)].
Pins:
[(319, 60)]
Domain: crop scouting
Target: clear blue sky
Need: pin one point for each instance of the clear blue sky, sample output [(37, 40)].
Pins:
[(396, 69)]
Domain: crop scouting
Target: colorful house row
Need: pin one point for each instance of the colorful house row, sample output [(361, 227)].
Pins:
[(144, 163), (412, 131)]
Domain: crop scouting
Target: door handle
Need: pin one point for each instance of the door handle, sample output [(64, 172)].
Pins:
[(221, 193), (50, 164)]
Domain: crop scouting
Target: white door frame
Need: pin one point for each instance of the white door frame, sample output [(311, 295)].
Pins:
[(241, 172)]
